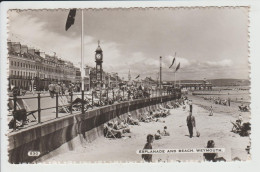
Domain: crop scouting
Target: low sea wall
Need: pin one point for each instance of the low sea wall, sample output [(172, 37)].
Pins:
[(49, 136)]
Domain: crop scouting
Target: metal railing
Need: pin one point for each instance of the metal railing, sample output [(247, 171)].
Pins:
[(105, 97)]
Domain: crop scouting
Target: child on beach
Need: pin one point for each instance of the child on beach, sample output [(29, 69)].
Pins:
[(165, 132), (148, 145), (211, 111), (157, 135)]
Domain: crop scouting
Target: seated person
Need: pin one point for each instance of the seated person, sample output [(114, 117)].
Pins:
[(162, 108), (145, 117), (131, 120), (122, 126), (165, 132), (157, 135), (240, 119), (20, 117), (168, 106), (156, 114), (212, 156), (165, 113), (110, 132)]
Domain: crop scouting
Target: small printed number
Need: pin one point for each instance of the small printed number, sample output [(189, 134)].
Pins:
[(34, 153)]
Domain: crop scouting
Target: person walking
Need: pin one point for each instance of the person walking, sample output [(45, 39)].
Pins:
[(57, 89), (63, 88), (51, 89), (229, 101), (148, 145), (191, 123)]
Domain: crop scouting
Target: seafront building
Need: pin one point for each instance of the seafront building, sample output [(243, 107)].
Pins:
[(31, 68)]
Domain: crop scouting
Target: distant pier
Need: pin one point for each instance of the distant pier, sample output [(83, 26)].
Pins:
[(196, 86)]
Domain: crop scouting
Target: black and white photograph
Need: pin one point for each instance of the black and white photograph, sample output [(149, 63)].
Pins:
[(145, 85)]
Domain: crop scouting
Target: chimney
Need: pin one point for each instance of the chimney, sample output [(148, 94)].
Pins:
[(9, 46), (42, 54), (24, 49), (17, 47), (31, 51), (37, 52)]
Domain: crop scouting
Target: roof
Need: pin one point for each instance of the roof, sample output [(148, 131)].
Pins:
[(98, 49)]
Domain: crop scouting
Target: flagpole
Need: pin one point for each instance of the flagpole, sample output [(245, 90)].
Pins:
[(174, 78), (180, 83), (82, 51), (160, 74)]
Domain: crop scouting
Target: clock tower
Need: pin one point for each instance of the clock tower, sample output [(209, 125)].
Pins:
[(99, 70)]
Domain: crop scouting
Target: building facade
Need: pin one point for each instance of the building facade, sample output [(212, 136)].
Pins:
[(29, 68)]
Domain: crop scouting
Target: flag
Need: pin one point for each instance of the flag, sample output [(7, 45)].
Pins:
[(178, 67), (70, 19), (173, 60), (137, 76)]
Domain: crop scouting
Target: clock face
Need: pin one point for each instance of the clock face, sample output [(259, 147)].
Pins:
[(98, 56)]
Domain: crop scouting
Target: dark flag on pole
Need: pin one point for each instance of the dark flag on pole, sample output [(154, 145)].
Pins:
[(137, 76), (70, 19), (178, 67), (173, 60)]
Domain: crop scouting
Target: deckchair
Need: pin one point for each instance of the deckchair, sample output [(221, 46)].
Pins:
[(108, 131), (237, 127), (21, 104), (63, 105)]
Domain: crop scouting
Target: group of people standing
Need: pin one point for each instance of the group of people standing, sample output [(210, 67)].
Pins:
[(59, 88)]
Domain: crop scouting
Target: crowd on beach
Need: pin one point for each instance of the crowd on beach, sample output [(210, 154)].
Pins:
[(218, 100), (191, 124), (226, 102), (159, 115), (118, 127)]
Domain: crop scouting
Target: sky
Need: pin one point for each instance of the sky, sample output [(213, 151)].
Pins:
[(209, 43)]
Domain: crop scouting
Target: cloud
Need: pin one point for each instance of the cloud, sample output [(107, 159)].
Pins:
[(221, 63), (136, 39)]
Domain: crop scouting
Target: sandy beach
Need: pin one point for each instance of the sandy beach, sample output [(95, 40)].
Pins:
[(217, 127)]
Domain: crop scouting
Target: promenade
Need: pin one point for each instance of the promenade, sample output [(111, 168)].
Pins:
[(48, 104)]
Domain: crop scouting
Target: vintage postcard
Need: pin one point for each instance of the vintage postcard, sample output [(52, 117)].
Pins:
[(163, 84)]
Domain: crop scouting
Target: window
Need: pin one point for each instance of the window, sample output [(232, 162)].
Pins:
[(18, 64), (14, 63), (11, 63), (18, 73), (14, 72)]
